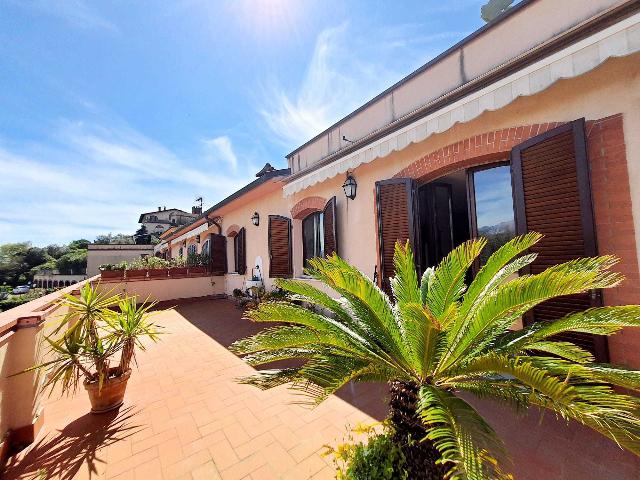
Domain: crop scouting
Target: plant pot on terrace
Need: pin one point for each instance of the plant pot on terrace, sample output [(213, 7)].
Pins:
[(158, 273), (178, 272), (111, 272), (111, 395), (98, 332), (136, 274), (197, 270)]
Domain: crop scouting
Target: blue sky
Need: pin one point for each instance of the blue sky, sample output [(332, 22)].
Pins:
[(112, 108)]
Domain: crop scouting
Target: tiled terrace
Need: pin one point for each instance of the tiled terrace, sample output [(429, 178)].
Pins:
[(185, 417)]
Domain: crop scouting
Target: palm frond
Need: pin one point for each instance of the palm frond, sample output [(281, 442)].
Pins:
[(567, 350), (465, 441), (447, 285), (520, 368), (512, 299), (596, 321)]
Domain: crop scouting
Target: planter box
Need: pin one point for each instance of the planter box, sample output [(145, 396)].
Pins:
[(136, 274), (112, 274), (178, 272), (158, 273), (197, 271)]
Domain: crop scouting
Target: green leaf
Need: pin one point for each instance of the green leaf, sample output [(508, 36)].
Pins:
[(465, 441)]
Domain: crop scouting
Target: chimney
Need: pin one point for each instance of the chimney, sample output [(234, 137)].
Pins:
[(159, 209), (165, 207), (196, 210)]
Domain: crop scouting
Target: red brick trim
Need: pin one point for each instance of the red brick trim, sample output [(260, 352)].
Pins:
[(477, 150), (233, 230), (306, 206), (615, 231)]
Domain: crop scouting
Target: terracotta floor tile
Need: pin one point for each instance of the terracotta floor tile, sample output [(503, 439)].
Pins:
[(186, 417)]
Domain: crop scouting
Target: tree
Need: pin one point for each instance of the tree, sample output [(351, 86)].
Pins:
[(118, 239), (494, 8), (439, 338), (73, 262), (79, 244), (142, 236), (55, 251)]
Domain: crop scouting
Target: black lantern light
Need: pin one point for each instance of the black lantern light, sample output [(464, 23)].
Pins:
[(350, 186), (255, 219)]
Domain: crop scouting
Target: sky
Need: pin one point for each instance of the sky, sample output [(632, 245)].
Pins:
[(111, 108)]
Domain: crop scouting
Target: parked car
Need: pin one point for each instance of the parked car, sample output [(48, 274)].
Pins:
[(21, 289)]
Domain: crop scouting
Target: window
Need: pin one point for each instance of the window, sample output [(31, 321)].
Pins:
[(493, 201), (239, 255), (191, 249), (312, 237), (180, 252), (205, 248)]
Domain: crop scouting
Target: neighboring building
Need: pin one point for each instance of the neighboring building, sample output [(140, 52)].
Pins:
[(54, 279), (159, 221), (101, 254), (529, 124)]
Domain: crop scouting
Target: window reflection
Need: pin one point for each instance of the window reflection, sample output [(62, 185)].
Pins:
[(494, 208), (312, 237)]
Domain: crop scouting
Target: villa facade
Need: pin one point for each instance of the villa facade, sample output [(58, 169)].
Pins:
[(517, 128), (529, 124)]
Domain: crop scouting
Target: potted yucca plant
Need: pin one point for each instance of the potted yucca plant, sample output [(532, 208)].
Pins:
[(95, 343)]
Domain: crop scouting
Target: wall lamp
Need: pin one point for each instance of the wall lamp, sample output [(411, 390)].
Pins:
[(255, 219), (350, 186)]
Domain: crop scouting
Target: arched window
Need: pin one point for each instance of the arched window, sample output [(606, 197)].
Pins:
[(192, 249), (312, 237)]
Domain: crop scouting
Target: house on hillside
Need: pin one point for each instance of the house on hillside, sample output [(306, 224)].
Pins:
[(529, 124), (159, 221)]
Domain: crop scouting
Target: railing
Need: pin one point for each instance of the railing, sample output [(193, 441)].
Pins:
[(21, 331), (153, 274)]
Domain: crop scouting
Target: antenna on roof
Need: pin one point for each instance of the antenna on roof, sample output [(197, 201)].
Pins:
[(197, 208)]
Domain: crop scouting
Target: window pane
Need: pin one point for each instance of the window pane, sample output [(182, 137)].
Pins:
[(312, 237), (494, 208)]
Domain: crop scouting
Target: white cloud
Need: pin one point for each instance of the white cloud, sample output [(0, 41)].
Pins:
[(220, 148), (92, 179), (345, 70)]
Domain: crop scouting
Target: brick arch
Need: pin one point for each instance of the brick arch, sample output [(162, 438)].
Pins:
[(306, 206), (233, 230), (477, 150)]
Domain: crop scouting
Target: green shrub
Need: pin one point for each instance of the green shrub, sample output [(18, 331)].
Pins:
[(376, 458)]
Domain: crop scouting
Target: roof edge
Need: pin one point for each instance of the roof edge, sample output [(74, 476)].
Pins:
[(472, 36)]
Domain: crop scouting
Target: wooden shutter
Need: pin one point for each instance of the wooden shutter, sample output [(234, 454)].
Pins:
[(218, 246), (279, 247), (396, 207), (330, 228), (241, 252), (552, 196)]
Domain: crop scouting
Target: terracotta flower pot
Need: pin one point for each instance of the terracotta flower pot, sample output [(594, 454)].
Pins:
[(197, 271), (111, 396), (178, 272), (137, 274), (111, 274), (158, 273)]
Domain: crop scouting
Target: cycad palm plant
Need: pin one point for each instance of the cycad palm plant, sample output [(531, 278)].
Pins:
[(438, 338)]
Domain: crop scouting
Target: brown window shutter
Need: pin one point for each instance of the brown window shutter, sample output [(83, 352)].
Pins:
[(330, 228), (396, 207), (279, 247), (241, 258), (552, 196), (218, 254)]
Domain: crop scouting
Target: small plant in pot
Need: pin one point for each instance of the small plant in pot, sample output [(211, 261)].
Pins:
[(95, 342), (137, 269), (110, 271), (178, 267)]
